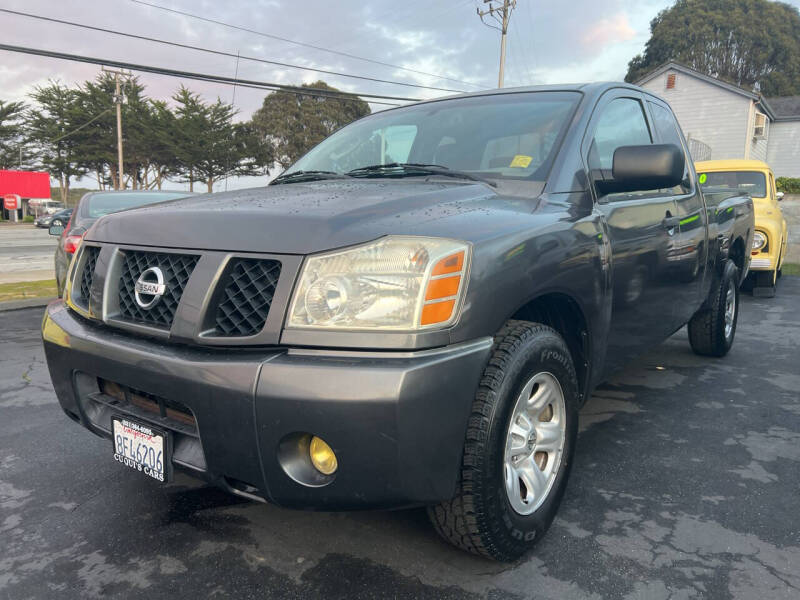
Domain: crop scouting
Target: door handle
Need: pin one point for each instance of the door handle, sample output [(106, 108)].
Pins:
[(670, 222)]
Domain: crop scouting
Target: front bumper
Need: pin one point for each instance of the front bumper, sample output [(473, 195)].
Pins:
[(396, 420)]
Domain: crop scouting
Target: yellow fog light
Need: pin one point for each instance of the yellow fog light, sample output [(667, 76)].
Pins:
[(322, 457)]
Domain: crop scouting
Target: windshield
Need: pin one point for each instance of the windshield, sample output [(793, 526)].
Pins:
[(103, 204), (501, 136), (744, 182)]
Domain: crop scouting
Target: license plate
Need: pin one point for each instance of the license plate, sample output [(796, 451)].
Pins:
[(140, 447)]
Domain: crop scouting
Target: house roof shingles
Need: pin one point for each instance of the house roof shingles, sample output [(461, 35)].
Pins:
[(786, 108)]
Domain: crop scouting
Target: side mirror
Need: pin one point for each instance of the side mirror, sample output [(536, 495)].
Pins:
[(779, 196), (641, 168), (56, 230)]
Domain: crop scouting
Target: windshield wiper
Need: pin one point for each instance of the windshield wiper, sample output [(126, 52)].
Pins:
[(300, 176), (412, 169)]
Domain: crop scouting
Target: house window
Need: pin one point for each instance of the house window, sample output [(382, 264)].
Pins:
[(760, 127), (671, 81)]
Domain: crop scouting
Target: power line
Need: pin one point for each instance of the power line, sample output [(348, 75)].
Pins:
[(219, 52), (77, 129), (307, 91), (303, 44)]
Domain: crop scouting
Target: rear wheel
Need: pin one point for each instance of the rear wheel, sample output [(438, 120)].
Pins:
[(713, 327), (519, 446)]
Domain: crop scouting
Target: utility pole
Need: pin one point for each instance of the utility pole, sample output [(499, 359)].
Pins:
[(501, 14), (118, 101)]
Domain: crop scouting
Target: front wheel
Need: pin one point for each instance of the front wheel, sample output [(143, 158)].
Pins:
[(518, 448), (713, 327)]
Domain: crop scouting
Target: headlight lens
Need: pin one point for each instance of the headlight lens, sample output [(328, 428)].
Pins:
[(397, 282), (759, 240)]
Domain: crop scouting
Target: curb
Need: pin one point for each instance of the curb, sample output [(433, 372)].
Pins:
[(27, 303)]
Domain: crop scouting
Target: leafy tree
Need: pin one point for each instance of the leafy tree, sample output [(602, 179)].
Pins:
[(740, 41), (147, 127), (50, 129), (209, 146), (98, 136), (163, 130), (11, 140), (293, 123)]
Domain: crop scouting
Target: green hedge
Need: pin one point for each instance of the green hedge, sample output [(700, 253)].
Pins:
[(28, 219), (789, 185)]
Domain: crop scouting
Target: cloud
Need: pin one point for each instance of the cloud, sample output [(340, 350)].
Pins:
[(610, 29), (549, 42)]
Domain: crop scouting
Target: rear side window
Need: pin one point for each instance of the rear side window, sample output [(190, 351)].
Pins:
[(622, 123), (668, 132)]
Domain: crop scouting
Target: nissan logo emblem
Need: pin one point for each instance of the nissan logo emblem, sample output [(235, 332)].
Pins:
[(149, 288)]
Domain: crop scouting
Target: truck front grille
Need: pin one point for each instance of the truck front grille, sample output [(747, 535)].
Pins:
[(87, 275), (249, 287), (177, 268)]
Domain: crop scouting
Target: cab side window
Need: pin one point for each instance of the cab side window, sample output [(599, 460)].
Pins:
[(621, 123), (669, 133)]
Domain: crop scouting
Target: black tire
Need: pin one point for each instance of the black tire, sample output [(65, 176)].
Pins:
[(480, 518), (748, 283), (707, 334)]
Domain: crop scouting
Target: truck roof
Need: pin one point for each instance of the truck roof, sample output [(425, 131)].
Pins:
[(732, 164), (588, 89)]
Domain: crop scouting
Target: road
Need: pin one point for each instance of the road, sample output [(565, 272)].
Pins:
[(685, 485), (26, 253)]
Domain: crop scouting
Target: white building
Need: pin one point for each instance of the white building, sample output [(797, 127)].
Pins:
[(722, 120)]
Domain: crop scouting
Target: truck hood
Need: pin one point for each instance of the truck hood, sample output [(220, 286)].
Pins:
[(304, 218)]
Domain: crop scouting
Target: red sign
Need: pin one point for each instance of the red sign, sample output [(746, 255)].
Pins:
[(25, 184), (12, 202)]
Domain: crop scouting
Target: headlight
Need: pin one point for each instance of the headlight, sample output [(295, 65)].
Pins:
[(759, 240), (398, 282)]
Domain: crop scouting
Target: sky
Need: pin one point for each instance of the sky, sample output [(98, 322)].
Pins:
[(548, 42)]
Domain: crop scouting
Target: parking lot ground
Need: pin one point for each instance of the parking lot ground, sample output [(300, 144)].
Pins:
[(685, 485)]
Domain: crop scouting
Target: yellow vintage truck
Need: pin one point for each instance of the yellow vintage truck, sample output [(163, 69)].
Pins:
[(755, 178)]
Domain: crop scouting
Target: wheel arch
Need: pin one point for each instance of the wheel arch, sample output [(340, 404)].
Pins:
[(564, 314), (738, 255)]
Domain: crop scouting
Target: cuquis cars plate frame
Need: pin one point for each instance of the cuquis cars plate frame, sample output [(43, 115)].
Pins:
[(142, 447)]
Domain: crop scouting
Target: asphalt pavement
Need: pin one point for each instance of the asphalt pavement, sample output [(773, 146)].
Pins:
[(685, 485), (26, 253)]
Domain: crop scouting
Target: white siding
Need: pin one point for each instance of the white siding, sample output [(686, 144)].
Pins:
[(783, 153), (707, 112), (758, 148)]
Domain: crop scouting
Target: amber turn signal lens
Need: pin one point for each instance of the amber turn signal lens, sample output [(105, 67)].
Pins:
[(437, 312), (449, 264), (442, 288), (322, 456)]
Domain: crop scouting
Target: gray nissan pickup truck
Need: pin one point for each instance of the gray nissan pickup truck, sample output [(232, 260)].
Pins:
[(410, 315)]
